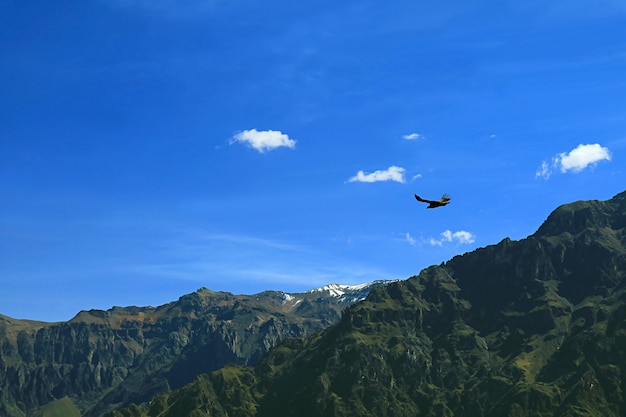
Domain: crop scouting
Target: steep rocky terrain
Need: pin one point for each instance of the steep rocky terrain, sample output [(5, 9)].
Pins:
[(100, 360), (535, 327)]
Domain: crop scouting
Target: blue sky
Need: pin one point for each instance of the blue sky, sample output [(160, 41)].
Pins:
[(149, 148)]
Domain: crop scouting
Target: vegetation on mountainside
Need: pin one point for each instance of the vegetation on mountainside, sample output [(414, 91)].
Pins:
[(102, 360), (535, 327), (59, 408)]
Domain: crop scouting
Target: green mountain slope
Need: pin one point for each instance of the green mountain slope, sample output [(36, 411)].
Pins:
[(101, 360), (535, 327)]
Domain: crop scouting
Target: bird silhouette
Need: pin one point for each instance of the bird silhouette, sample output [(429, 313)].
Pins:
[(444, 200)]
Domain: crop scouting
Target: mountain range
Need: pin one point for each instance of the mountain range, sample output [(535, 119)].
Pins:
[(101, 360), (534, 327)]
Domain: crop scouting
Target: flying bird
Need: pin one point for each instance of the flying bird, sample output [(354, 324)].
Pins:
[(444, 200)]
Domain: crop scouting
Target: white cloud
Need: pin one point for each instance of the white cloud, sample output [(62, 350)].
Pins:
[(410, 239), (412, 136), (264, 140), (583, 156), (416, 177), (576, 160), (393, 173), (447, 236)]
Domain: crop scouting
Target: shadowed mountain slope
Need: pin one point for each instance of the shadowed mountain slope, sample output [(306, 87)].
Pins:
[(101, 360), (535, 327)]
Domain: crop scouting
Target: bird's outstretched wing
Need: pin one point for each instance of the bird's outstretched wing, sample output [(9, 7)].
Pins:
[(444, 198), (418, 198)]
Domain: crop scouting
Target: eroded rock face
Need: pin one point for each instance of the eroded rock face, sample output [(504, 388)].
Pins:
[(103, 359)]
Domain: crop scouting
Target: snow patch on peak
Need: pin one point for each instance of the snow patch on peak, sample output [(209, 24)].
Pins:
[(288, 298), (335, 290), (350, 292)]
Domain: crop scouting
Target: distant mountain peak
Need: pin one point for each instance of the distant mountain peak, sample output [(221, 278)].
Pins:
[(336, 289), (163, 347), (349, 293)]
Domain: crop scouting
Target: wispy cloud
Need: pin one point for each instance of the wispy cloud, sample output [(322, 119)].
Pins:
[(240, 241), (225, 261), (576, 160), (412, 136), (544, 170), (410, 239), (264, 140), (173, 9), (448, 236), (393, 173)]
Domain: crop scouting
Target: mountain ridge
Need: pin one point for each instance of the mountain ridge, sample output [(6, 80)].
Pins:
[(535, 327), (106, 358)]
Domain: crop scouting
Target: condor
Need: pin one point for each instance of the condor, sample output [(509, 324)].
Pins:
[(444, 200)]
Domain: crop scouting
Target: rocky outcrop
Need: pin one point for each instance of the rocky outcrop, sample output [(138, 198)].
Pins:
[(105, 359)]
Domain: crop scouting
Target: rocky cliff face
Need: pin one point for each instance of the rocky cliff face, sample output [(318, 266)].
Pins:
[(535, 327), (104, 359)]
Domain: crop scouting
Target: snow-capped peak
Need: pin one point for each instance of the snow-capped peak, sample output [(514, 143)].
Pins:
[(352, 292), (337, 290)]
